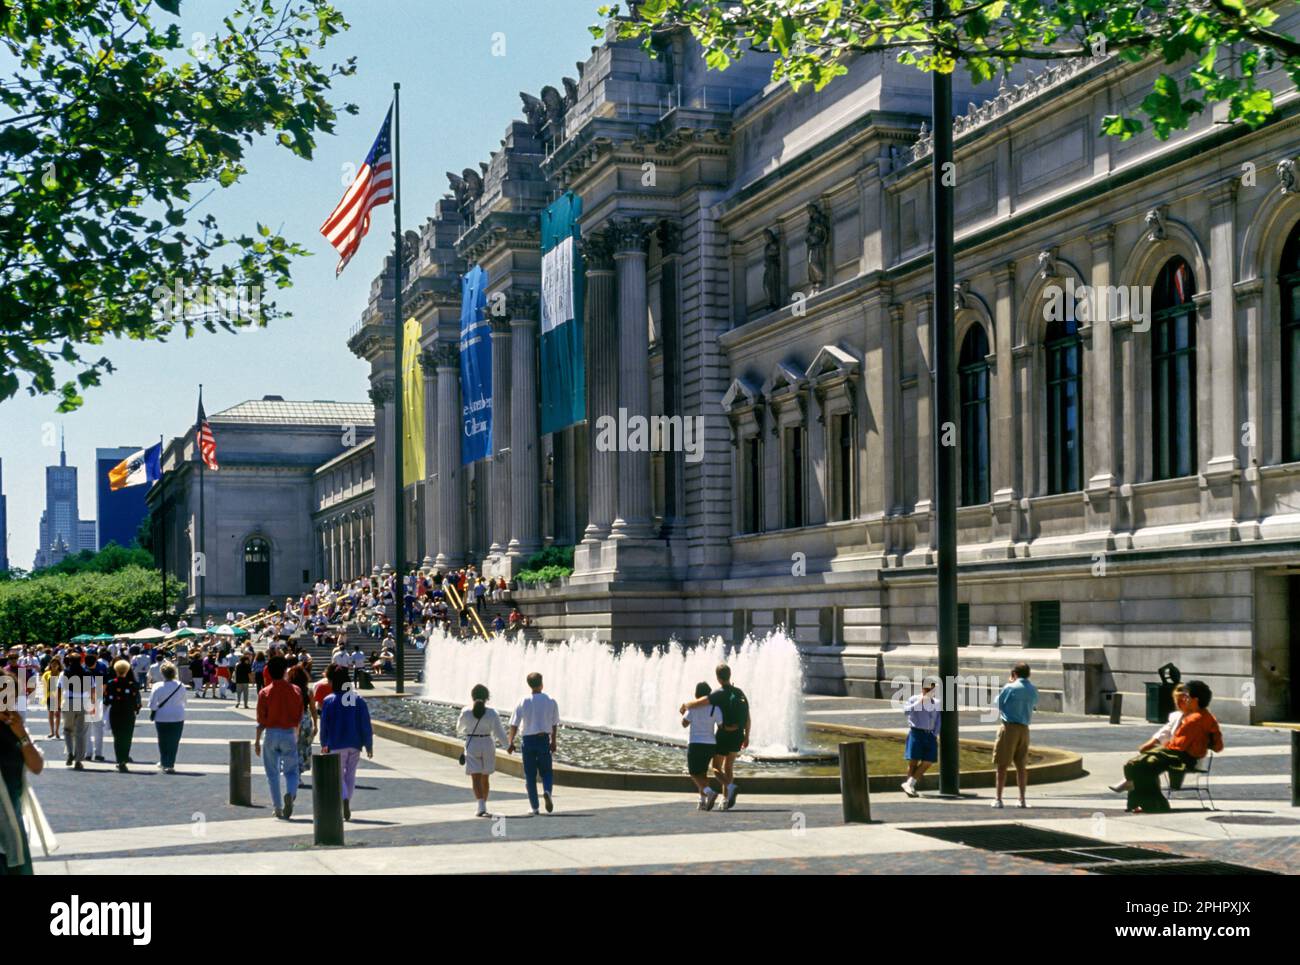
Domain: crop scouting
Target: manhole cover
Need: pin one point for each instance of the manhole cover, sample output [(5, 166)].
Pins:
[(1254, 819), (1177, 867)]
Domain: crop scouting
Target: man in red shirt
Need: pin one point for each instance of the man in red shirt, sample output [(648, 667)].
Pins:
[(1196, 735), (279, 709)]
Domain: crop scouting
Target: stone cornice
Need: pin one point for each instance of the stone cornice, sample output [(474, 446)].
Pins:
[(381, 393), (597, 249), (509, 229), (446, 355), (631, 236)]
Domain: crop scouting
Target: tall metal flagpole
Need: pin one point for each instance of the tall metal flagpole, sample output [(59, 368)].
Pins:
[(399, 508), (943, 177), (162, 529), (203, 524)]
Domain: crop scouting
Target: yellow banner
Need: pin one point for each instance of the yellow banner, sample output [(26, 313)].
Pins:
[(412, 404)]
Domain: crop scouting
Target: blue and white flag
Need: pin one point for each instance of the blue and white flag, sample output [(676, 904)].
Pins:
[(141, 467), (475, 367), (563, 370)]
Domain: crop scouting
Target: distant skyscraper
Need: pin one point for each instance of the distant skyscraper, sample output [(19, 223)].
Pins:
[(62, 530), (4, 526), (119, 513)]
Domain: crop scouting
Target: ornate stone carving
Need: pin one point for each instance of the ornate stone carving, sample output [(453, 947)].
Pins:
[(597, 248), (553, 101), (817, 240), (1155, 222), (500, 323), (1286, 175), (522, 303), (534, 111), (630, 235), (429, 361), (1047, 267), (446, 355), (669, 235), (381, 393), (772, 268), (961, 296)]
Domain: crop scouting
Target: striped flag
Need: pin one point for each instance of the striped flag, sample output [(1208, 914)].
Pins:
[(137, 469), (373, 185), (207, 441)]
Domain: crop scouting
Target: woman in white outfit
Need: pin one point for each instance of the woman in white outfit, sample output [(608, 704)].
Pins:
[(482, 730)]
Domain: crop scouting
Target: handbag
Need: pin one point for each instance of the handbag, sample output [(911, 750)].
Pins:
[(153, 713), (468, 739)]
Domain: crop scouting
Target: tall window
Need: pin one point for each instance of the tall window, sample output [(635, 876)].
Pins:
[(973, 373), (1173, 371), (1289, 275), (841, 501), (793, 463), (257, 567), (1064, 351), (751, 467)]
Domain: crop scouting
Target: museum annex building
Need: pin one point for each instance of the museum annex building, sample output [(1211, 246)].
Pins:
[(758, 260)]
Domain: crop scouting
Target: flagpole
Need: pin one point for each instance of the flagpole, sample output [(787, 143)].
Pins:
[(399, 512), (162, 529), (203, 528)]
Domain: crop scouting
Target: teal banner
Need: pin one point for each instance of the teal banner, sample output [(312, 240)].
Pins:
[(562, 366)]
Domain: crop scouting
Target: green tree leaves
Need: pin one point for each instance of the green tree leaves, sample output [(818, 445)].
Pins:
[(54, 607), (108, 126)]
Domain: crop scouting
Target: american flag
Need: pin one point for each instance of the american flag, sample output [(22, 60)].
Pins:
[(207, 441), (373, 185)]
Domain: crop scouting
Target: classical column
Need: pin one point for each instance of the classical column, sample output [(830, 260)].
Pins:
[(1099, 433), (601, 333), (499, 504), (669, 236), (1224, 424), (382, 396), (429, 485), (450, 499), (924, 400), (525, 444), (633, 513)]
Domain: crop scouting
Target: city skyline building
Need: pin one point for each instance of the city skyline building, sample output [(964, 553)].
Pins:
[(117, 513), (62, 530)]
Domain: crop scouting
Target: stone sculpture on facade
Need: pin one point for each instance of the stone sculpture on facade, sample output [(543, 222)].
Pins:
[(817, 241), (1155, 222), (1286, 175), (772, 268)]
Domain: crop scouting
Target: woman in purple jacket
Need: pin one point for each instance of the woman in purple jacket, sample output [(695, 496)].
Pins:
[(345, 730)]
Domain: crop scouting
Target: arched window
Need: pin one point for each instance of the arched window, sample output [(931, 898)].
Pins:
[(1289, 276), (973, 373), (1064, 350), (1173, 371), (257, 567)]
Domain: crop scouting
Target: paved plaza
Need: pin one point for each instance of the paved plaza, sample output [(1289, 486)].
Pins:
[(414, 813)]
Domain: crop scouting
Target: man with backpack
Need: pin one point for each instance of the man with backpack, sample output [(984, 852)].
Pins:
[(733, 733)]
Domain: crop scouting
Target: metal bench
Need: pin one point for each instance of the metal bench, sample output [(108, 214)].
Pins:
[(1199, 778)]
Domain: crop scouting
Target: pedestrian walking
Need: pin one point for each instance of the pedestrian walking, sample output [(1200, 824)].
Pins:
[(481, 727), (732, 734), (345, 730), (308, 723), (537, 718), (122, 700), (922, 748), (243, 680), (701, 745), (18, 757), (279, 712), (167, 709), (77, 697), (1016, 705), (196, 671), (96, 668), (1195, 735), (53, 708)]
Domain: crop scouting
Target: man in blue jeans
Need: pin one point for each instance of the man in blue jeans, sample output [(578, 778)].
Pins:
[(280, 707), (538, 718)]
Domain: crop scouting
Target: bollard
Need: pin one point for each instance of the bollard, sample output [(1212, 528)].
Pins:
[(1116, 707), (1295, 768), (327, 798), (241, 773), (855, 794)]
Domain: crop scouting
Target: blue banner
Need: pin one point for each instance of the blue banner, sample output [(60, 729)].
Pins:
[(563, 372), (475, 368)]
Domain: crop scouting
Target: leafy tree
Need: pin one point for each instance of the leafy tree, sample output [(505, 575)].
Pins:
[(108, 560), (1230, 40), (109, 125), (53, 607)]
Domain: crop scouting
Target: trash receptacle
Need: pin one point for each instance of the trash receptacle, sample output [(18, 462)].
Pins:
[(1160, 694)]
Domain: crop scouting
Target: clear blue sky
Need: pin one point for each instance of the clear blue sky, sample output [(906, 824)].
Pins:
[(457, 98)]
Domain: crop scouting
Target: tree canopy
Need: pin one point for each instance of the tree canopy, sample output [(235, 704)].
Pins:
[(1231, 41), (111, 121)]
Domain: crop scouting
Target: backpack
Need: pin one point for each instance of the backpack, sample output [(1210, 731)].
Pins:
[(734, 707)]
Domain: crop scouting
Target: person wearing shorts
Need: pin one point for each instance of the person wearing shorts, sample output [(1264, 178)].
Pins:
[(733, 733), (1016, 705), (702, 745)]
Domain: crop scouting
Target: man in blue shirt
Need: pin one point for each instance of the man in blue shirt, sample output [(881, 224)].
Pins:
[(1016, 705)]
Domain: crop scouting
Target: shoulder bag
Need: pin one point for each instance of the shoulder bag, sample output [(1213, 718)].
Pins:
[(153, 714)]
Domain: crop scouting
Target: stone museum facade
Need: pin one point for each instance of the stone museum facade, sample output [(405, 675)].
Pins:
[(758, 259)]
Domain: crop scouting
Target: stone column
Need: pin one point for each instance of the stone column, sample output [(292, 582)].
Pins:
[(601, 333), (1098, 432), (923, 508), (499, 503), (429, 485), (525, 444), (632, 517), (1224, 424), (382, 396), (450, 498), (669, 236)]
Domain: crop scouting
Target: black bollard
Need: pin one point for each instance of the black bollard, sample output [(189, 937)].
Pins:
[(855, 792), (1295, 768), (327, 799), (241, 774), (1116, 707)]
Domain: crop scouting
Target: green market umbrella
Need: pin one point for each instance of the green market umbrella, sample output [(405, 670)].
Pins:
[(226, 630), (103, 637), (82, 638), (186, 632)]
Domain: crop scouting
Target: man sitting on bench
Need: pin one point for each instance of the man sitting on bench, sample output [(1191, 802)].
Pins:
[(1197, 733)]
